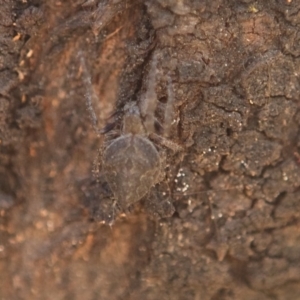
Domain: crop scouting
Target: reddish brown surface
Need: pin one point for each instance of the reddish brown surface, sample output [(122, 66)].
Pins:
[(235, 68)]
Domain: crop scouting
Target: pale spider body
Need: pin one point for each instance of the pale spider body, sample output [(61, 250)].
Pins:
[(133, 162)]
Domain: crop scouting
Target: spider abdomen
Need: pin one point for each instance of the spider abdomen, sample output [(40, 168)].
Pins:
[(131, 167)]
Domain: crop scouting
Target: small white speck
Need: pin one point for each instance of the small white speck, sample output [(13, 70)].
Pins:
[(185, 188)]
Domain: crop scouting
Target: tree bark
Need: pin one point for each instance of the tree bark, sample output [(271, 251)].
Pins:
[(231, 230)]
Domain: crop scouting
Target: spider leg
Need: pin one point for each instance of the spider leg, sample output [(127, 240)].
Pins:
[(169, 110), (89, 94), (97, 164), (165, 142), (149, 100)]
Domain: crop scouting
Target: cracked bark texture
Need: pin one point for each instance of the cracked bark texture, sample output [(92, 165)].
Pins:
[(235, 66)]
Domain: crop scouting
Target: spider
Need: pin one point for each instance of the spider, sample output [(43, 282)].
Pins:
[(134, 161)]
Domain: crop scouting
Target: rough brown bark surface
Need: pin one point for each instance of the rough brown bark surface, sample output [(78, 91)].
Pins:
[(235, 68)]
